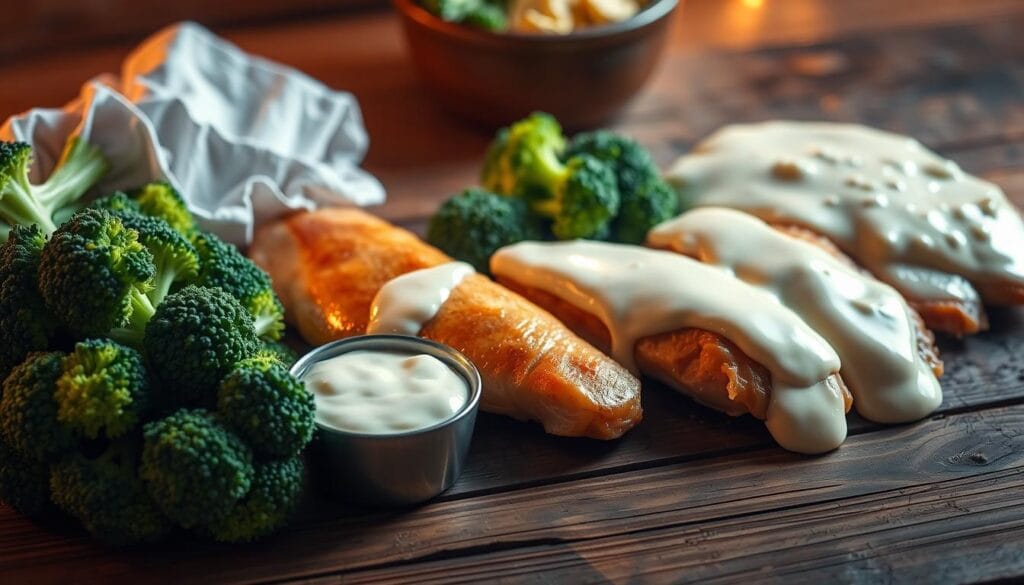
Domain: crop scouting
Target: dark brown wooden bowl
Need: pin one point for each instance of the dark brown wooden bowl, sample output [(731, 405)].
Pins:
[(582, 78)]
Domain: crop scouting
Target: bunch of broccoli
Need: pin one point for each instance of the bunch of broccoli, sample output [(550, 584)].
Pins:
[(144, 386), (537, 184)]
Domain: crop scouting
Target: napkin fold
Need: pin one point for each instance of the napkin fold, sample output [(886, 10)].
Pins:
[(243, 139)]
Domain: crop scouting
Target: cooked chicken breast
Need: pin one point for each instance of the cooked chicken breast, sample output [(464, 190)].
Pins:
[(327, 267)]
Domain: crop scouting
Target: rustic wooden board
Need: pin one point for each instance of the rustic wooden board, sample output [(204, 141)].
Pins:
[(690, 494)]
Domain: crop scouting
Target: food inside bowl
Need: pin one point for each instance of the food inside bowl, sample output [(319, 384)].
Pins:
[(534, 16)]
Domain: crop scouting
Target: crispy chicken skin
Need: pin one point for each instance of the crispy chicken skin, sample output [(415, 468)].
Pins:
[(713, 370), (328, 265)]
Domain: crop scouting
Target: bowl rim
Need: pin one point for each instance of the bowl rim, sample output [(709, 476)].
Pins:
[(451, 357), (654, 11)]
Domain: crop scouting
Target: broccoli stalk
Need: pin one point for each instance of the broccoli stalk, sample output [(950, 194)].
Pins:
[(22, 203), (175, 258), (473, 224)]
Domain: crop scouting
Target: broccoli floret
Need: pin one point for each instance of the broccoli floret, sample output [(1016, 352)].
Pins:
[(584, 202), (654, 203), (195, 469), (94, 275), (279, 351), (523, 159), (103, 388), (195, 339), (473, 224), (223, 266), (160, 199), (175, 259), (25, 324), (646, 200), (117, 203), (267, 407), (28, 409), (24, 482), (276, 490), (22, 203), (485, 14), (106, 494)]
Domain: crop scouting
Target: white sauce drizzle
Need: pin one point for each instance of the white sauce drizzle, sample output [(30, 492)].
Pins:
[(867, 322), (637, 292), (913, 218), (407, 302), (381, 393)]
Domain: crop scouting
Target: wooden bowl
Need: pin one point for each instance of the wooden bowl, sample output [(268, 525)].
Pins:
[(582, 78)]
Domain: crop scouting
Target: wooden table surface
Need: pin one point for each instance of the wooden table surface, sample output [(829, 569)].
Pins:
[(689, 494)]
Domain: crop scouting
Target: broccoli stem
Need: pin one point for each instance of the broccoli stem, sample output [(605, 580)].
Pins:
[(20, 207), (142, 311), (80, 167)]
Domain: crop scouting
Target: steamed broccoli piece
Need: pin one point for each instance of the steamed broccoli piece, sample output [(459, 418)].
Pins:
[(523, 158), (117, 203), (223, 266), (103, 389), (22, 203), (160, 199), (276, 490), (267, 407), (25, 324), (485, 14), (28, 409), (646, 200), (473, 224), (175, 259), (95, 276), (194, 468), (24, 482), (195, 339), (108, 497), (654, 203), (285, 355), (580, 197), (584, 202)]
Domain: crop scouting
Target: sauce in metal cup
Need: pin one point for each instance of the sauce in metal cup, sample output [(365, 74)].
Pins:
[(394, 468)]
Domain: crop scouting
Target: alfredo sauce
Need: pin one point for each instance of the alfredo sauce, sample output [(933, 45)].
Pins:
[(407, 302)]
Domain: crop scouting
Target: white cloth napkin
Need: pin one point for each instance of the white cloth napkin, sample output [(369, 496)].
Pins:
[(243, 139)]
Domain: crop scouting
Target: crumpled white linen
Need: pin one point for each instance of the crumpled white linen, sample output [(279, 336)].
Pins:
[(243, 139)]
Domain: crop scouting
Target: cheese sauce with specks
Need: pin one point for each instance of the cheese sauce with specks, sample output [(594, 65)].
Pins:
[(867, 322), (911, 217), (638, 292)]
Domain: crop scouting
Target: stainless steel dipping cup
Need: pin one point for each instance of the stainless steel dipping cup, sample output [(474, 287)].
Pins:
[(396, 469)]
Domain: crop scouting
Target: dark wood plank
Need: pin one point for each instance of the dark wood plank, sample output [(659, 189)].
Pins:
[(892, 480)]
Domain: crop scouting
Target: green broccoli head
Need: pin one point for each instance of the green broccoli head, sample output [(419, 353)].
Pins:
[(630, 162), (103, 389), (160, 199), (25, 323), (485, 14), (94, 275), (523, 160), (29, 422), (223, 266), (195, 339), (267, 407), (107, 495), (275, 492), (653, 203), (22, 203), (194, 468), (473, 224), (277, 350), (175, 259), (585, 200), (24, 482), (117, 203)]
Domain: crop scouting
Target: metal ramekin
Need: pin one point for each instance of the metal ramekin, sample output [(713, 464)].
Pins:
[(396, 469)]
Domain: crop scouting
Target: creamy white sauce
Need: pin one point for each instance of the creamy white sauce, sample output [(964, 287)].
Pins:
[(867, 322), (637, 292), (913, 218), (407, 302), (378, 392)]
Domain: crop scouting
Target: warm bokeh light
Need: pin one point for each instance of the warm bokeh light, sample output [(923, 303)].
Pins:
[(753, 4)]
